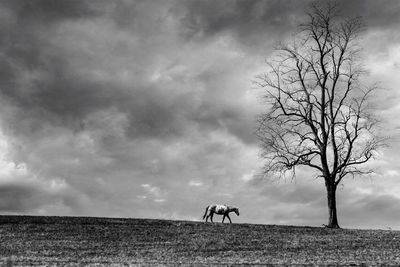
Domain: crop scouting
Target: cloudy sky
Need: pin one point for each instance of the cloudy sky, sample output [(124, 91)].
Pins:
[(147, 109)]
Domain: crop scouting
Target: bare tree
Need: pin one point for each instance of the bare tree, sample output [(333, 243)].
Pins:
[(319, 114)]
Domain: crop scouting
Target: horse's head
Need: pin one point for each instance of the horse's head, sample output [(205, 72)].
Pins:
[(236, 210)]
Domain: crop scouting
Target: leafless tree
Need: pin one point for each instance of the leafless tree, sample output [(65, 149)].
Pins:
[(319, 114)]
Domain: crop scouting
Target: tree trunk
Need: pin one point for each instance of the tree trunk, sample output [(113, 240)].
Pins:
[(331, 193)]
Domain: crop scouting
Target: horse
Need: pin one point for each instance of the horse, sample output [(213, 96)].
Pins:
[(220, 210)]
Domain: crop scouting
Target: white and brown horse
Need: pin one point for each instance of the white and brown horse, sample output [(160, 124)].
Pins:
[(220, 210)]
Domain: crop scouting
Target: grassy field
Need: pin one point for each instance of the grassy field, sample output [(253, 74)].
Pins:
[(69, 241)]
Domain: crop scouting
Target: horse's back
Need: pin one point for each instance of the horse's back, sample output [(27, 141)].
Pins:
[(220, 209)]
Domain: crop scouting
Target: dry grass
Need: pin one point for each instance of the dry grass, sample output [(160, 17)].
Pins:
[(70, 241)]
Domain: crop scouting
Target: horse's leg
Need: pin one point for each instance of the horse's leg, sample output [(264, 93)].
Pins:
[(229, 218), (212, 214), (223, 218), (209, 215)]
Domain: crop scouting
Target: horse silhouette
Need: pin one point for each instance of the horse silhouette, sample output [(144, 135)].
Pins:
[(220, 210)]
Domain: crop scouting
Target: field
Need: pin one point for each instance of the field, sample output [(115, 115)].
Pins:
[(69, 241)]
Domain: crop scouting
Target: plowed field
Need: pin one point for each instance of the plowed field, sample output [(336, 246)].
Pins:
[(69, 241)]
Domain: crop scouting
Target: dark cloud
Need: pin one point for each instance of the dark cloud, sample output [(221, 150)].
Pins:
[(252, 23), (49, 11), (383, 14), (30, 197), (59, 92), (18, 198), (35, 76)]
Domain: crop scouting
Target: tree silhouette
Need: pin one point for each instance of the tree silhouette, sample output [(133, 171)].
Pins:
[(318, 111)]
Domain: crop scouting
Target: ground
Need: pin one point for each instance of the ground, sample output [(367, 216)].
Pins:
[(68, 241)]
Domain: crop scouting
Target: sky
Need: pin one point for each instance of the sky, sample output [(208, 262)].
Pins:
[(147, 109)]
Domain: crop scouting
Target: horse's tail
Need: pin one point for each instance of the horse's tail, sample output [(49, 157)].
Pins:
[(205, 214)]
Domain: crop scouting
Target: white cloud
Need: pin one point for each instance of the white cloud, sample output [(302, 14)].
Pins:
[(195, 183), (392, 173), (156, 193), (248, 176)]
